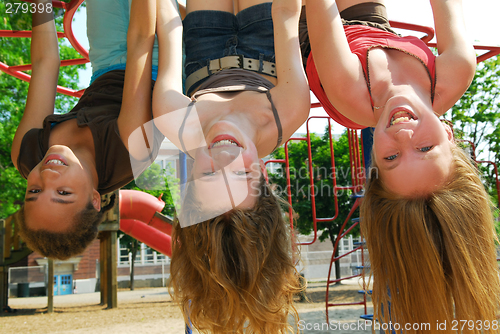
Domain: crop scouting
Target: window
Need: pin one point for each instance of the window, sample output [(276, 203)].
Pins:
[(65, 279)]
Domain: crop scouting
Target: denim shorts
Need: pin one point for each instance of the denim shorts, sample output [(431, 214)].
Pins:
[(212, 34), (107, 25)]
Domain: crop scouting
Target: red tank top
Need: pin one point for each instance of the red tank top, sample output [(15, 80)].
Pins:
[(361, 39)]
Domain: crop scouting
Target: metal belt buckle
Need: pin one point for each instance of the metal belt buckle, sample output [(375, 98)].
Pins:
[(241, 63)]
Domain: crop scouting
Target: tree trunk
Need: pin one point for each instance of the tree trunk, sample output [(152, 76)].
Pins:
[(337, 267), (333, 239), (134, 255)]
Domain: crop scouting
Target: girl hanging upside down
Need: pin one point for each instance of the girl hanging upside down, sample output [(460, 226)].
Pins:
[(426, 215), (232, 266), (70, 159)]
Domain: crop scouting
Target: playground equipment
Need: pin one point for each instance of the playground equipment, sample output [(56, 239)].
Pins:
[(359, 155), (137, 214), (18, 70), (154, 229), (357, 179), (140, 218), (11, 251)]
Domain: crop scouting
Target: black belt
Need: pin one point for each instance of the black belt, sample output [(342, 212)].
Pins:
[(231, 62)]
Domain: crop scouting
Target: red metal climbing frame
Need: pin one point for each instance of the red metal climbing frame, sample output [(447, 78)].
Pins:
[(18, 71), (485, 162), (357, 181), (356, 163), (357, 174), (355, 144)]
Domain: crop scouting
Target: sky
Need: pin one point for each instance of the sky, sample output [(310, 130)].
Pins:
[(480, 18)]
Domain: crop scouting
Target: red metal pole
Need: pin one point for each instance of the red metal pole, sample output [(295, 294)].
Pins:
[(68, 28)]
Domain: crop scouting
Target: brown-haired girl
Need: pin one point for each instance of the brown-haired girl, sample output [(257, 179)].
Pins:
[(234, 271)]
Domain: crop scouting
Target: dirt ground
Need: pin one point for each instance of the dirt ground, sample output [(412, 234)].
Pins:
[(152, 311)]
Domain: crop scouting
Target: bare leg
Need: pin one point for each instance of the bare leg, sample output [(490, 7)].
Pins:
[(222, 5), (243, 4)]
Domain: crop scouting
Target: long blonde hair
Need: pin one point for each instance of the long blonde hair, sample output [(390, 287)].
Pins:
[(433, 259), (236, 273)]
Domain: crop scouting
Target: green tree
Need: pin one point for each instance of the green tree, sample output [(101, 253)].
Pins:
[(324, 191), (158, 182), (132, 246), (13, 92), (476, 117), (153, 178)]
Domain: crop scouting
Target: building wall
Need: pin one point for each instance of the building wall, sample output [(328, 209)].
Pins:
[(142, 270), (87, 266), (85, 269), (315, 259)]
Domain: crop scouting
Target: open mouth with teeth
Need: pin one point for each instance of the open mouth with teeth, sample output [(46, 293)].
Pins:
[(224, 142), (401, 117), (55, 160)]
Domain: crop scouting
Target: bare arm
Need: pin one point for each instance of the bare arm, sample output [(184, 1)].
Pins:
[(456, 63), (45, 72), (340, 71), (291, 93), (167, 95), (136, 103)]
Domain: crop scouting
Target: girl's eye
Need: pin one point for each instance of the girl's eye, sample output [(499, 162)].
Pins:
[(392, 157), (426, 149), (34, 191), (209, 174), (64, 193), (241, 173)]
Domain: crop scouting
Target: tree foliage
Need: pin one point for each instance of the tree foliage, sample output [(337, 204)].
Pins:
[(324, 192), (153, 178), (13, 92), (476, 117), (158, 182)]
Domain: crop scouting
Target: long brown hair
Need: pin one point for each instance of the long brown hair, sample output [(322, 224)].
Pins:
[(433, 259), (236, 273)]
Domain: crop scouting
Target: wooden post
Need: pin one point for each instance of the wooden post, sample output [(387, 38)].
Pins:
[(4, 287), (4, 270), (108, 261), (50, 286), (7, 237), (111, 269), (102, 268), (108, 279)]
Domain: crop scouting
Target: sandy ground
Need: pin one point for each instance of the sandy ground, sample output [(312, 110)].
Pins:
[(152, 311)]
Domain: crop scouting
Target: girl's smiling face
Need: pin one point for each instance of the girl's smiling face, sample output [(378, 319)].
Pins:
[(412, 148)]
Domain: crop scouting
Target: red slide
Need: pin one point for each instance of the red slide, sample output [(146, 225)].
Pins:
[(140, 218)]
